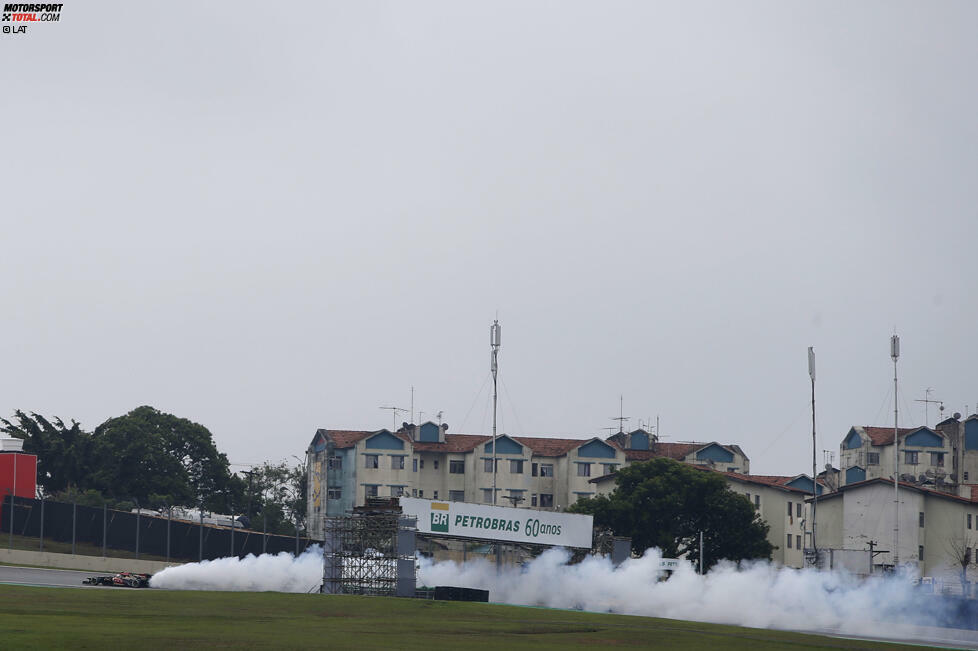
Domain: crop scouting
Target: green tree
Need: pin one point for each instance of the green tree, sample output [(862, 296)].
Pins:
[(158, 457), (666, 504), (64, 453), (278, 497)]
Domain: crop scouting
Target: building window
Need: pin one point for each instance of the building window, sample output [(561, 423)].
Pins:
[(920, 553), (436, 464), (414, 492), (516, 466), (334, 463), (414, 464), (533, 499), (371, 461), (487, 495), (515, 497), (872, 458), (582, 496), (969, 520), (370, 491), (789, 509), (798, 509), (546, 470), (797, 542), (421, 464), (456, 496), (456, 467), (966, 475), (921, 519), (789, 541), (757, 501), (546, 501), (334, 494), (487, 465), (397, 463), (610, 468), (583, 470), (435, 495), (534, 469), (397, 491), (911, 457), (937, 459)]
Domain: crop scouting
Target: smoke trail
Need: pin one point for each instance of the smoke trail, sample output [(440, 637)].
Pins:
[(281, 572), (758, 595)]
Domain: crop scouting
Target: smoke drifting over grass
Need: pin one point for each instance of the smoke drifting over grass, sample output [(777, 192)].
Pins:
[(756, 594), (281, 572)]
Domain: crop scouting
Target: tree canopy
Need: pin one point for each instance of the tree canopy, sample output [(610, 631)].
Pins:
[(146, 455), (666, 504)]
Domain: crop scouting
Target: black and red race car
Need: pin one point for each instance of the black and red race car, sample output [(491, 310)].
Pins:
[(121, 580)]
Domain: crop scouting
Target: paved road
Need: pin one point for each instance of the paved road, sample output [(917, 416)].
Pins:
[(41, 577)]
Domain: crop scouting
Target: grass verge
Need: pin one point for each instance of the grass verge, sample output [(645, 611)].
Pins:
[(151, 619)]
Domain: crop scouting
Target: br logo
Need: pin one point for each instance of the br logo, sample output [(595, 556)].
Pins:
[(439, 517)]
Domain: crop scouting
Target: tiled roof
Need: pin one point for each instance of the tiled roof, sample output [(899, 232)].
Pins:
[(884, 435), (453, 443), (546, 447), (881, 480), (775, 481), (344, 438)]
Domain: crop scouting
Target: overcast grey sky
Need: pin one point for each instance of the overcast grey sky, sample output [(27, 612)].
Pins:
[(270, 218)]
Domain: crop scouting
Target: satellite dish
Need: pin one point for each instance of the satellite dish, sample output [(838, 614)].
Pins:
[(957, 415)]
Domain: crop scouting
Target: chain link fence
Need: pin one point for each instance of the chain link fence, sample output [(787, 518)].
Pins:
[(58, 527)]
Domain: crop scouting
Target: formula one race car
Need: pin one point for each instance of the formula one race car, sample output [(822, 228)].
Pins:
[(122, 580)]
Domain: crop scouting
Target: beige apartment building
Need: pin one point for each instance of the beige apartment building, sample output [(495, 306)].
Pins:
[(346, 467)]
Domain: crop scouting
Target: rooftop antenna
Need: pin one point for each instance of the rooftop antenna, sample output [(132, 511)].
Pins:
[(394, 412), (438, 415), (811, 374), (494, 343), (412, 404), (927, 403), (620, 418), (895, 355)]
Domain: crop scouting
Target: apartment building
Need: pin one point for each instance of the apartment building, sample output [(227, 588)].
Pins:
[(927, 456), (345, 467), (935, 527)]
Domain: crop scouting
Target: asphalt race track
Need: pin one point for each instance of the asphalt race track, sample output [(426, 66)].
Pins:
[(45, 578)]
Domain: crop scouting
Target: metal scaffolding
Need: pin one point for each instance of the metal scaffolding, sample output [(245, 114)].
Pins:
[(369, 554)]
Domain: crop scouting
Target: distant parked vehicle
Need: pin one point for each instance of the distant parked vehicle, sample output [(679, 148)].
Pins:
[(120, 580)]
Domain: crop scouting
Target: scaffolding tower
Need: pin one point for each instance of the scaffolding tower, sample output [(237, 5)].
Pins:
[(370, 554)]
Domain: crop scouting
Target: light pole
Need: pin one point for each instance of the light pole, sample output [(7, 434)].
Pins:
[(895, 355)]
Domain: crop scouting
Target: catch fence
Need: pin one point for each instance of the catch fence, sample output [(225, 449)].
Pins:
[(45, 525)]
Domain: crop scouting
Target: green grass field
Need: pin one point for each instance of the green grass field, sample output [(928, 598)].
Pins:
[(150, 619)]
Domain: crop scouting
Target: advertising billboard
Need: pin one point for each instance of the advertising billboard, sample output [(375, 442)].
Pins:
[(485, 522)]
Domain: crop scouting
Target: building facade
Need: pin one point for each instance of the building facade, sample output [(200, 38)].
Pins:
[(936, 529), (347, 467)]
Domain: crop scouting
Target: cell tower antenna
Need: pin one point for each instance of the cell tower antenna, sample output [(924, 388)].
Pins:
[(620, 417), (811, 374), (394, 411), (494, 342)]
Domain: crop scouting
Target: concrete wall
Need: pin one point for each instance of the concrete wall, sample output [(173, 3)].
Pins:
[(107, 565)]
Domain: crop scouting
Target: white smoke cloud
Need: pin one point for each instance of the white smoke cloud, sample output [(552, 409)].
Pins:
[(281, 572), (757, 594)]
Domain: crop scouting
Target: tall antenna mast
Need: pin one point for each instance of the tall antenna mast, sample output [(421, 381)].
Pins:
[(895, 355), (927, 403), (620, 418), (394, 411), (494, 342), (811, 374), (412, 404)]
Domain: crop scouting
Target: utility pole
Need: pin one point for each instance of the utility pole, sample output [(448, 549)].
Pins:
[(895, 355), (811, 374), (494, 343)]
